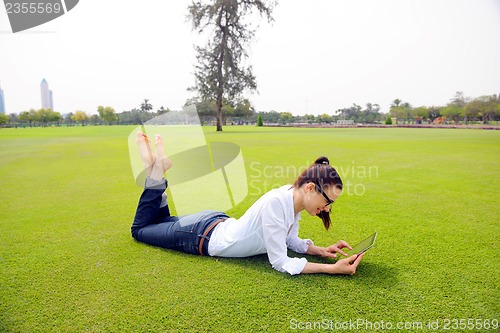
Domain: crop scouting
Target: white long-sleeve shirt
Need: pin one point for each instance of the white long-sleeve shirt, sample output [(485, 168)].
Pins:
[(268, 226)]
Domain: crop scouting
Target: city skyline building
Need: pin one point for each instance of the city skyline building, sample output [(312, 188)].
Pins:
[(2, 101), (47, 99), (51, 100)]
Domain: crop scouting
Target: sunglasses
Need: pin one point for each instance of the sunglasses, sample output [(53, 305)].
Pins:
[(328, 200)]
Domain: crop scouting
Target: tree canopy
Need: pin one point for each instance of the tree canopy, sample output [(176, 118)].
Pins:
[(107, 114)]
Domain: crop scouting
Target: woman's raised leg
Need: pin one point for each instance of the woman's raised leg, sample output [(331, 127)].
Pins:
[(145, 152), (162, 163), (149, 211)]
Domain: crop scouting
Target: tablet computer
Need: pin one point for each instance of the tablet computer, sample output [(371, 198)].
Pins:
[(361, 247)]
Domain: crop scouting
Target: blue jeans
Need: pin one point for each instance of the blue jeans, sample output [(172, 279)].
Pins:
[(155, 226)]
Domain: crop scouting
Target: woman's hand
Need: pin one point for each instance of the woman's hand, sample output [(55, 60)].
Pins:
[(344, 266), (329, 252), (348, 265), (336, 248)]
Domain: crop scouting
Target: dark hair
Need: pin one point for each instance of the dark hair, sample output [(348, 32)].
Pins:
[(323, 175)]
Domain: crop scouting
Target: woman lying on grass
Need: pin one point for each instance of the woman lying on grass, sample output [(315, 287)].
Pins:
[(269, 226)]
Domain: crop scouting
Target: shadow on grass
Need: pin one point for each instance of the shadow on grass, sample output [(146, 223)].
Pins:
[(375, 275)]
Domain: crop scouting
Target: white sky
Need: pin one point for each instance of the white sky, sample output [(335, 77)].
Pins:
[(318, 55)]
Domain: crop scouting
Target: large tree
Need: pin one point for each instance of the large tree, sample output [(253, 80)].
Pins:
[(243, 109), (453, 111), (80, 117), (107, 114), (220, 73), (3, 119), (457, 105), (146, 106), (47, 116), (484, 106), (400, 109)]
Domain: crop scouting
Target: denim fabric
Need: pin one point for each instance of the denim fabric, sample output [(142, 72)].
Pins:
[(155, 226)]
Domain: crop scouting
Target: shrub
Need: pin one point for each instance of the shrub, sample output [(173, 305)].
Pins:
[(388, 121), (259, 121)]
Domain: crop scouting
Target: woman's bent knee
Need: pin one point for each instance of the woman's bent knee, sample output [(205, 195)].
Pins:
[(134, 232)]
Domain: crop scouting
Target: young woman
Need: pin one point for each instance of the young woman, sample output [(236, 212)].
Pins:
[(269, 226)]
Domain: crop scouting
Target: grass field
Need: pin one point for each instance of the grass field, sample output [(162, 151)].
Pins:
[(68, 262)]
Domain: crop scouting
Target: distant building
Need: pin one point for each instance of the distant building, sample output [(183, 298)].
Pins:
[(51, 100), (345, 122), (47, 101), (2, 101)]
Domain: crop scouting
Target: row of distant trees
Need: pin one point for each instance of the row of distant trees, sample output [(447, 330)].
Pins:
[(106, 115), (460, 109), (47, 117), (238, 112), (241, 112)]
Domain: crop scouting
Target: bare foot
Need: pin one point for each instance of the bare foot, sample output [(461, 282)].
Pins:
[(145, 151), (160, 153), (162, 163)]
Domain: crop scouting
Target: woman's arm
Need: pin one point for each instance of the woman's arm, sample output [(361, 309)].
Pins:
[(274, 232), (344, 266)]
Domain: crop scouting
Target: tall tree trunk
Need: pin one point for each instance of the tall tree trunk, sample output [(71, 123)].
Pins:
[(220, 74), (219, 112)]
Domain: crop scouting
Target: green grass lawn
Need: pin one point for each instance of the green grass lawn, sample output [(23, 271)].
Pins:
[(69, 264)]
